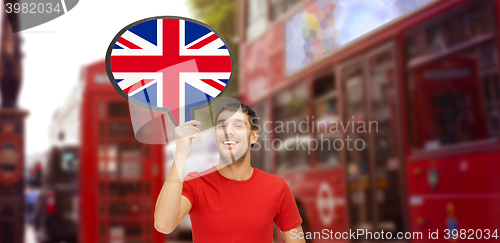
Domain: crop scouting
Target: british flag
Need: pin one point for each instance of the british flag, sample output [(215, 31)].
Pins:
[(170, 63)]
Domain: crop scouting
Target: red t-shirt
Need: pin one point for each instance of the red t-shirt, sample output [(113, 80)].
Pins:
[(225, 210)]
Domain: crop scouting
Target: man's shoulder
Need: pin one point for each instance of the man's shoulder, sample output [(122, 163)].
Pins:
[(270, 178), (195, 174)]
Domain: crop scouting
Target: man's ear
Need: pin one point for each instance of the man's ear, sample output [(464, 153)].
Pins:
[(254, 136)]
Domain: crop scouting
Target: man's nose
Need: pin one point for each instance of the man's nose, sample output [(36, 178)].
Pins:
[(229, 129)]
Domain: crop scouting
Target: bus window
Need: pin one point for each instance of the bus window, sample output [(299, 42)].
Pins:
[(355, 112), (357, 161), (293, 152), (480, 20), (325, 112), (382, 95), (291, 134), (454, 98), (383, 98)]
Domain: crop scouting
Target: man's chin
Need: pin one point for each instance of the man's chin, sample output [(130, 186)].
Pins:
[(227, 159)]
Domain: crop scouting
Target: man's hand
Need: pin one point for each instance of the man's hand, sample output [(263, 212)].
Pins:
[(294, 236), (184, 135), (171, 206)]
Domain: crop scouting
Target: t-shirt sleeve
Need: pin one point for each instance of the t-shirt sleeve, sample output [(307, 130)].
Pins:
[(288, 217), (187, 190)]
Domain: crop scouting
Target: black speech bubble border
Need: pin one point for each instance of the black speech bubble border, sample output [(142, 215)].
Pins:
[(150, 107)]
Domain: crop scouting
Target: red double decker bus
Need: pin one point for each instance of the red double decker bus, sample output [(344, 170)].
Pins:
[(381, 115)]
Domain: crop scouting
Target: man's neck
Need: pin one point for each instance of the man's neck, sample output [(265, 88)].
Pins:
[(238, 172)]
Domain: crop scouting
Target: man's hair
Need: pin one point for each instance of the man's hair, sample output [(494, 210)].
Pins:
[(235, 106)]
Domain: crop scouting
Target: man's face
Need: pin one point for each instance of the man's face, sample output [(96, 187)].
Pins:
[(233, 136)]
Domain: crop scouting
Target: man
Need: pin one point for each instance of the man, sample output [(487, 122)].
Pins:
[(231, 202)]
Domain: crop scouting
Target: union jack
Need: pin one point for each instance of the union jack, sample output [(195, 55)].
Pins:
[(170, 63)]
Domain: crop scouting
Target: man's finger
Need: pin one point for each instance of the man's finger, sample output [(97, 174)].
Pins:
[(192, 122), (186, 128), (193, 129), (195, 136), (189, 129), (189, 133)]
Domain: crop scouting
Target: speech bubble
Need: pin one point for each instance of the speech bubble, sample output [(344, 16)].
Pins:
[(169, 64), (26, 14)]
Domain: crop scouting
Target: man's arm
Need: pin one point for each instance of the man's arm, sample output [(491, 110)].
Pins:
[(171, 206), (294, 236)]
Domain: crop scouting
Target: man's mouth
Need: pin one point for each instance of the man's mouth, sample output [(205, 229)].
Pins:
[(230, 142)]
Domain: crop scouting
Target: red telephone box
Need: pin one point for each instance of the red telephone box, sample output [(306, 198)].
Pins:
[(120, 178)]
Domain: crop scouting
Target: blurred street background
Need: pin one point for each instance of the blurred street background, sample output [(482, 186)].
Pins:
[(397, 104)]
